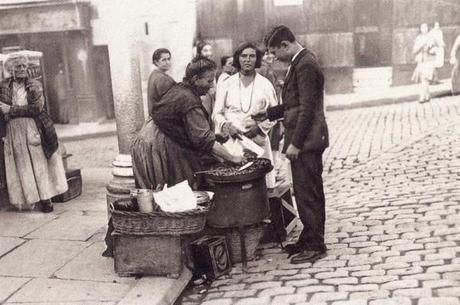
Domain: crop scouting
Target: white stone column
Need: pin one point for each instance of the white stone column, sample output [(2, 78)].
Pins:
[(127, 94)]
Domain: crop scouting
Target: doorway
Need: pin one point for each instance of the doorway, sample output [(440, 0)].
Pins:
[(104, 93), (373, 28)]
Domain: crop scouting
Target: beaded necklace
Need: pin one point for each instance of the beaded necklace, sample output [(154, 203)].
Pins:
[(252, 91)]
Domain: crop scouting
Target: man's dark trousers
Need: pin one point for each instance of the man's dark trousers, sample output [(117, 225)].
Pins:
[(309, 195)]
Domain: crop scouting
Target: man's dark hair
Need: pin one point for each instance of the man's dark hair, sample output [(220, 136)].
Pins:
[(157, 54), (277, 35), (198, 67), (241, 48), (223, 60)]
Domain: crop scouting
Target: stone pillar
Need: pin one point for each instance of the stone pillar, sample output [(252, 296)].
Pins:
[(127, 93)]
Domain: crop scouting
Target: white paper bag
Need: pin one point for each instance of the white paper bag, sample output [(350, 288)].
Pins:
[(177, 198)]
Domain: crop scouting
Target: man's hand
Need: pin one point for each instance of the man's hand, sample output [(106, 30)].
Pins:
[(253, 132), (259, 117), (292, 152), (5, 108)]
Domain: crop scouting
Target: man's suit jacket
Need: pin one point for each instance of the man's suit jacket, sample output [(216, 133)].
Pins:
[(303, 105)]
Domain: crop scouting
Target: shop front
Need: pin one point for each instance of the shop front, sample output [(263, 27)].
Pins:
[(62, 32)]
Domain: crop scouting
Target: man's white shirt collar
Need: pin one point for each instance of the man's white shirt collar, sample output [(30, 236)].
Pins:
[(296, 54)]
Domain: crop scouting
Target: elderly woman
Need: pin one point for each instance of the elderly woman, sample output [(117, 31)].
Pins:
[(242, 95), (34, 168), (171, 147)]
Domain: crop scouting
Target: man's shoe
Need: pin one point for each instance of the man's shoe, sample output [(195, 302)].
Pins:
[(292, 249), (308, 256)]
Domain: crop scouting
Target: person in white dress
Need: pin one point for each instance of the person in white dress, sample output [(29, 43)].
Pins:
[(242, 95)]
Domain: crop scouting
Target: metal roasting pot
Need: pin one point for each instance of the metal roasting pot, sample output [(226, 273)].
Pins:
[(240, 199)]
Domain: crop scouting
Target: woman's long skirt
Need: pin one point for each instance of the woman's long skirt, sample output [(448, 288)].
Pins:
[(158, 160), (30, 176)]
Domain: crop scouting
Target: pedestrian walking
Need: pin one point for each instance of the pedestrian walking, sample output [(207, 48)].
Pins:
[(424, 52), (439, 45), (34, 168), (306, 138), (159, 81), (455, 61)]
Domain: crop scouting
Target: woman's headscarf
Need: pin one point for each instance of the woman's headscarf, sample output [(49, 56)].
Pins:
[(13, 59)]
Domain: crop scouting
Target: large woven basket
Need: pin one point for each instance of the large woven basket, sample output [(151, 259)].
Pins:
[(159, 222)]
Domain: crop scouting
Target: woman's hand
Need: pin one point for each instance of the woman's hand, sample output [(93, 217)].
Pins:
[(230, 129), (238, 159), (5, 108)]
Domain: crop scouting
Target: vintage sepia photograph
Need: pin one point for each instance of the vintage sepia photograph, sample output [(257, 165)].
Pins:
[(230, 152)]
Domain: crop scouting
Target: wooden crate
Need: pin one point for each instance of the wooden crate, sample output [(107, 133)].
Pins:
[(147, 255), (210, 256)]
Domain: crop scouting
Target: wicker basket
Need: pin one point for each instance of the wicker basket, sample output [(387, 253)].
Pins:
[(159, 222)]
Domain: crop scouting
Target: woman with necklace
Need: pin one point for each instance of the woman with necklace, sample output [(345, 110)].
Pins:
[(242, 95)]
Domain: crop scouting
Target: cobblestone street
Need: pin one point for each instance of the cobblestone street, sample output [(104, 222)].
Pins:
[(358, 135), (393, 214)]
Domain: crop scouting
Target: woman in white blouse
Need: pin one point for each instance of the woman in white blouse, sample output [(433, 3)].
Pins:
[(242, 95)]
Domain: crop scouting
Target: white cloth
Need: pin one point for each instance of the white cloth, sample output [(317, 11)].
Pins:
[(235, 103)]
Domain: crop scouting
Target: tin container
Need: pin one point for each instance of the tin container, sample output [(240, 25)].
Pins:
[(144, 200)]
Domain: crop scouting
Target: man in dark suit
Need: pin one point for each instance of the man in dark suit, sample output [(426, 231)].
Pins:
[(306, 138)]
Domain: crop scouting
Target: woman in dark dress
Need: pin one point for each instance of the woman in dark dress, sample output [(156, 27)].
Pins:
[(171, 146)]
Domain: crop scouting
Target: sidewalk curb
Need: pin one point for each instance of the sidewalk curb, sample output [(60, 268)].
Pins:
[(385, 101), (70, 138), (157, 290)]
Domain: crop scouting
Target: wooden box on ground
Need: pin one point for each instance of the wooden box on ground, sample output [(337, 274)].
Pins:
[(75, 185), (147, 255), (210, 256)]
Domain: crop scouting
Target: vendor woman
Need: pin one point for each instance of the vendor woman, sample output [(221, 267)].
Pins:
[(242, 95), (169, 148)]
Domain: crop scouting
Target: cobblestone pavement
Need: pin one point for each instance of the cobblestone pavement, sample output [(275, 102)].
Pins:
[(92, 153), (392, 225), (358, 135)]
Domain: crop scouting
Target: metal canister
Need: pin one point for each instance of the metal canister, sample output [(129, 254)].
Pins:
[(145, 200)]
